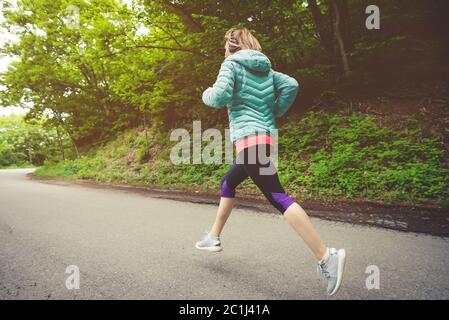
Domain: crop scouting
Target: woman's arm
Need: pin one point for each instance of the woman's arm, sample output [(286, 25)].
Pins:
[(221, 92), (288, 89)]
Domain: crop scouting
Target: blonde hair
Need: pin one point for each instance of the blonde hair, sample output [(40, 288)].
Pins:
[(238, 39)]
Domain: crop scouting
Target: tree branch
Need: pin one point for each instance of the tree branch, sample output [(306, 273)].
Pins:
[(192, 51), (186, 17)]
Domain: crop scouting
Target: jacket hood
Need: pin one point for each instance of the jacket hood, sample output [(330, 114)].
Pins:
[(251, 59)]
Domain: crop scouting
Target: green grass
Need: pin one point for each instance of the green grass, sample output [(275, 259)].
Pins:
[(24, 165), (322, 156)]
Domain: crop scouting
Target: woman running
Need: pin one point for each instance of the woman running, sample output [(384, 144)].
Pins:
[(254, 95)]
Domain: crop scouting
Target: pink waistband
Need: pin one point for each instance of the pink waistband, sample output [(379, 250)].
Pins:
[(252, 141)]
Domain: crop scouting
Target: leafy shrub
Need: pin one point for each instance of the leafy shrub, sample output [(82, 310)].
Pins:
[(353, 156)]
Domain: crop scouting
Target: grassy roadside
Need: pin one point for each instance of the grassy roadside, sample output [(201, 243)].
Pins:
[(322, 157), (18, 166)]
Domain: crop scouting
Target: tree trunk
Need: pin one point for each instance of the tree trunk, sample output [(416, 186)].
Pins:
[(66, 131), (147, 148), (30, 157), (61, 145), (74, 145), (324, 33), (339, 38), (345, 25)]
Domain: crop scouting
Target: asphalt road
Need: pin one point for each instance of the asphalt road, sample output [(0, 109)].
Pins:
[(130, 246)]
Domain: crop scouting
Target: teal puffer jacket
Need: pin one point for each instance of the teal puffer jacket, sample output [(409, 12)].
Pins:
[(253, 93)]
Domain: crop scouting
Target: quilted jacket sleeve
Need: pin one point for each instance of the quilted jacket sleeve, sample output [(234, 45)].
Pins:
[(288, 89), (221, 92)]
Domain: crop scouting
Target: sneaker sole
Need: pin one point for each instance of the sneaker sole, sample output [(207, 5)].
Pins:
[(210, 249), (341, 269)]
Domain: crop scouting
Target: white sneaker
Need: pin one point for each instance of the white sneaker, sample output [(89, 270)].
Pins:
[(209, 242), (332, 269)]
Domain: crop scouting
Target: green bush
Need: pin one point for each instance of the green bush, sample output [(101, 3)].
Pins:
[(354, 157)]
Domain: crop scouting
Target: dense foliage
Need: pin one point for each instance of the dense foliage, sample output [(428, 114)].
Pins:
[(354, 156), (121, 65), (29, 143)]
